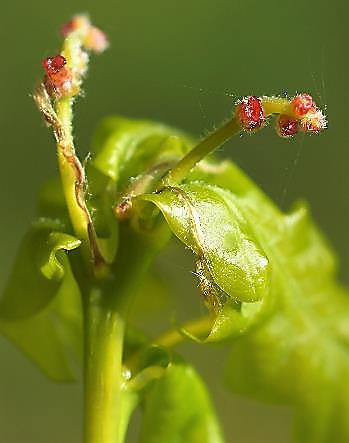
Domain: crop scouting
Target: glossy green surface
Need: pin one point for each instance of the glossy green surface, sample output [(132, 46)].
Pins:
[(177, 409), (272, 275), (293, 344), (174, 62)]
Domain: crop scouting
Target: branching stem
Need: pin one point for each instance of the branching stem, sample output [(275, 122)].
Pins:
[(205, 147), (271, 105), (198, 327)]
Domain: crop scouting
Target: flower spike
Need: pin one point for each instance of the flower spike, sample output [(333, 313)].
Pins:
[(301, 112), (54, 97), (65, 71), (251, 113)]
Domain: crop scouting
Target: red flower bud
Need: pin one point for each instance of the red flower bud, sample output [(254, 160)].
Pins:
[(302, 104), (59, 80), (250, 113), (286, 126), (123, 209), (53, 65), (314, 122), (60, 85)]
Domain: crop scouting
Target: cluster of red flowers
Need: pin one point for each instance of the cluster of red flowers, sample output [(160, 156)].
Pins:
[(306, 117), (301, 114), (60, 80)]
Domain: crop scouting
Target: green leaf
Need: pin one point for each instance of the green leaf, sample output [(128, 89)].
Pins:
[(40, 310), (290, 317), (39, 270), (101, 197), (124, 148), (52, 338), (300, 355), (232, 258), (177, 409)]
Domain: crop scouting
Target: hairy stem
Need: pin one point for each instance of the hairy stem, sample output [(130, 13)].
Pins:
[(58, 113), (205, 147), (271, 105), (71, 170)]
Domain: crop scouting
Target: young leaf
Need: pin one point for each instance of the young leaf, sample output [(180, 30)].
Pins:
[(297, 350), (39, 270), (233, 260), (177, 409), (52, 338), (124, 148), (300, 354), (40, 310)]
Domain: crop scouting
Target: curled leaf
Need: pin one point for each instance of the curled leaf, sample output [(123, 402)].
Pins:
[(39, 270), (299, 353), (40, 311), (52, 337), (233, 258)]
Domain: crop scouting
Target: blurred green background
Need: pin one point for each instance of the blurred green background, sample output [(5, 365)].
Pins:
[(184, 63)]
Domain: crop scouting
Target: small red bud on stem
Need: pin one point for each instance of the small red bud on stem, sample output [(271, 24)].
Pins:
[(286, 126), (301, 113), (302, 104), (250, 113), (123, 209), (314, 121), (64, 81), (53, 65), (59, 80)]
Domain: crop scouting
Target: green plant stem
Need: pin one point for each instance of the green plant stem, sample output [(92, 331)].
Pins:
[(104, 334), (71, 170), (108, 401), (276, 105), (68, 171), (72, 50), (272, 105), (197, 327), (205, 147)]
